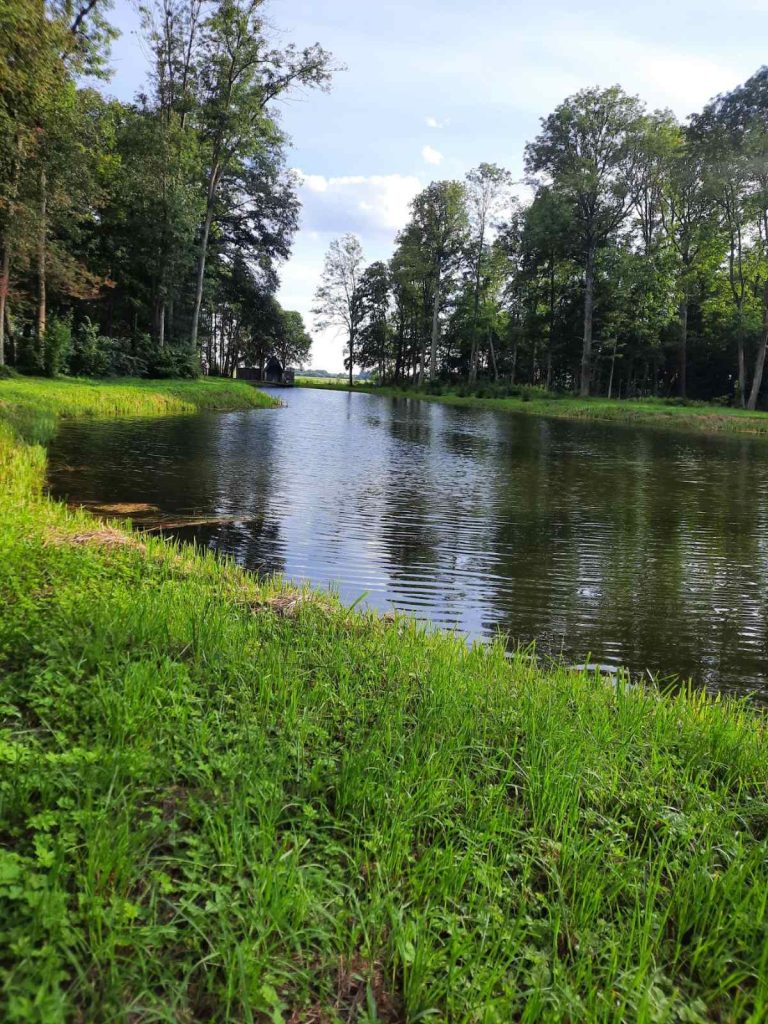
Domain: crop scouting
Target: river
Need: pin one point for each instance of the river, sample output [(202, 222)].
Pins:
[(603, 544)]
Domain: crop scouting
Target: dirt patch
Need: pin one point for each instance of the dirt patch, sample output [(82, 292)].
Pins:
[(287, 605), (125, 508), (357, 981), (105, 537)]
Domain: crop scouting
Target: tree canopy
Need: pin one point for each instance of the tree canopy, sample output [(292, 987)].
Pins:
[(159, 224), (636, 265)]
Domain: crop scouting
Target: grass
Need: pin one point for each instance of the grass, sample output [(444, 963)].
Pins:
[(221, 799), (537, 402)]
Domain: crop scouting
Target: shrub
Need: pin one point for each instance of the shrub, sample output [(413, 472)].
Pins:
[(173, 362), (57, 345), (91, 351)]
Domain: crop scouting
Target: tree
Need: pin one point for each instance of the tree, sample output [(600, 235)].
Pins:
[(375, 330), (587, 152), (690, 227), (337, 299), (487, 192), (735, 127), (546, 242), (240, 77), (293, 342), (439, 218)]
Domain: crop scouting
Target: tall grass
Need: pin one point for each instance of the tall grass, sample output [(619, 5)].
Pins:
[(221, 800)]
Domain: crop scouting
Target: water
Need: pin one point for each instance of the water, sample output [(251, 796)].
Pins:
[(604, 544)]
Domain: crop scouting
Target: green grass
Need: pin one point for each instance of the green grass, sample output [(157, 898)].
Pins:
[(221, 802), (653, 412)]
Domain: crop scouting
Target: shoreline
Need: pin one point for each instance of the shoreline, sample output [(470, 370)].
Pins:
[(661, 413), (237, 798)]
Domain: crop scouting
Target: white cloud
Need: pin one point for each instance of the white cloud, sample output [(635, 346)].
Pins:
[(374, 207), (433, 122), (355, 202), (431, 155)]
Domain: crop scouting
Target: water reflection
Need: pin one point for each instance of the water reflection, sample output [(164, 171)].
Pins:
[(614, 545)]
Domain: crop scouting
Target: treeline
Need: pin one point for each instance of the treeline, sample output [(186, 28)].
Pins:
[(145, 237), (639, 267)]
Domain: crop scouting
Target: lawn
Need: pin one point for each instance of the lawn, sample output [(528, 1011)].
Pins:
[(227, 799)]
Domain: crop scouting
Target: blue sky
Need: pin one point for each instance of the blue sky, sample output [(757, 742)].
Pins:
[(434, 87)]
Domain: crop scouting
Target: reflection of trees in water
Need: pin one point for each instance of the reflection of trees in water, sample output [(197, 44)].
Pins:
[(168, 462), (636, 546), (204, 465), (244, 466), (255, 544), (433, 531), (627, 546)]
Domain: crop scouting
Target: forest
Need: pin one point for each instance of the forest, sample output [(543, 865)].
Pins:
[(637, 266), (145, 238)]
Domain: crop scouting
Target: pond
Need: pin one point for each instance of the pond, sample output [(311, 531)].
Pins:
[(603, 544)]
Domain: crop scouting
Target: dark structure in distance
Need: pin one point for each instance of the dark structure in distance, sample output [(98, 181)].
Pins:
[(273, 373)]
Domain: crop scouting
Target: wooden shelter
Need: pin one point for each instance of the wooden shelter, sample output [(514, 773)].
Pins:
[(273, 373)]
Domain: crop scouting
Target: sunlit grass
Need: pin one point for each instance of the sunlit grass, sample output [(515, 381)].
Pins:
[(217, 803), (653, 412)]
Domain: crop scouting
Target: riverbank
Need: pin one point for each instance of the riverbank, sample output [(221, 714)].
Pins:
[(652, 412), (226, 799)]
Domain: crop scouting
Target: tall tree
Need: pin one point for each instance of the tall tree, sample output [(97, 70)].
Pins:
[(690, 225), (337, 299), (375, 328), (487, 192), (241, 75), (736, 125), (439, 217), (587, 151)]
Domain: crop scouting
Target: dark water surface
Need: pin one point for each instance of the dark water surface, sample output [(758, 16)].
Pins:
[(621, 546)]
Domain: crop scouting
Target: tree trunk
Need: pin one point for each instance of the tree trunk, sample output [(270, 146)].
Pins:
[(42, 245), (742, 362), (399, 355), (351, 356), (757, 379), (613, 365), (158, 318), (475, 316), (683, 350), (551, 332), (589, 301), (9, 333), (435, 328), (514, 365), (492, 351), (5, 270), (213, 181)]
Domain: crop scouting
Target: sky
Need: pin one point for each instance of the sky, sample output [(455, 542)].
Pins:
[(431, 88)]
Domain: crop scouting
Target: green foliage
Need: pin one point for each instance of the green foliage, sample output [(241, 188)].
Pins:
[(220, 801), (91, 353), (57, 345), (173, 362)]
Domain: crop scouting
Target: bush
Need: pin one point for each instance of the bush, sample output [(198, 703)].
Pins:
[(57, 345), (172, 362), (91, 351)]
